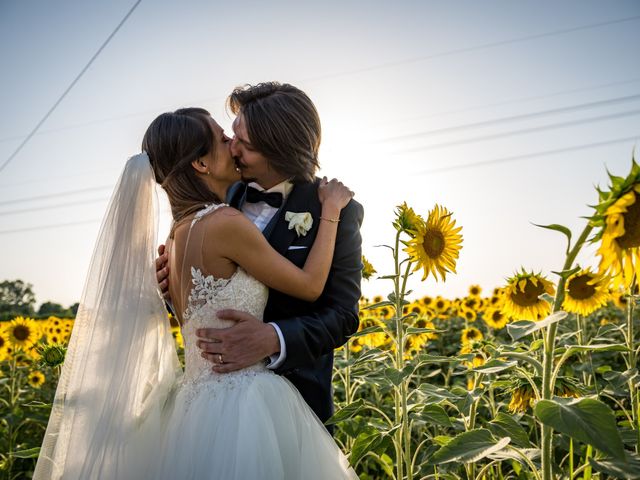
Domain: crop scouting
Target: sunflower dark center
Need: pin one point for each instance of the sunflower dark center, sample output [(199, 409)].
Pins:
[(433, 243), (529, 295), (421, 323), (1, 342), (580, 289), (471, 334), (496, 316), (631, 217), (21, 332)]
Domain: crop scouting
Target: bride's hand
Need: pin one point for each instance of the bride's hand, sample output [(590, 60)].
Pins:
[(334, 194)]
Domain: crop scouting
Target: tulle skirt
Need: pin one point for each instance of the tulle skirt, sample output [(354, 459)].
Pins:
[(246, 425)]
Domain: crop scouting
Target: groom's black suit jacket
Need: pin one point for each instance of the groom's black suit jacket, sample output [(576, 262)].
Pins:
[(312, 330)]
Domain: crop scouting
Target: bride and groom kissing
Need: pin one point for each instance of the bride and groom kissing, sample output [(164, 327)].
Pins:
[(262, 267)]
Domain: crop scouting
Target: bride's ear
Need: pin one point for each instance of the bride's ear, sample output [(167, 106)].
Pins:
[(200, 166)]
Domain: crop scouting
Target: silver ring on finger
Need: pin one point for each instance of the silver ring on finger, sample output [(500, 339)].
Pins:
[(220, 359)]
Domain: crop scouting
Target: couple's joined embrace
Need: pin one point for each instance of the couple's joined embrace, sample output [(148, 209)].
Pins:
[(264, 278)]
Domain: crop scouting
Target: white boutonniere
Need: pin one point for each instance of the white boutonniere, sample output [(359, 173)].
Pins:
[(302, 222)]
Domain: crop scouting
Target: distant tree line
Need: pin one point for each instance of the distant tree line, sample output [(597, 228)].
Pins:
[(17, 299)]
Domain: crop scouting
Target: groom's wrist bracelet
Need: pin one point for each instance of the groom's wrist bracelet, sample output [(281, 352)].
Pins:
[(332, 220)]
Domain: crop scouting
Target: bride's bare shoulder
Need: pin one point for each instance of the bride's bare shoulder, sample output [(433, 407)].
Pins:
[(226, 221)]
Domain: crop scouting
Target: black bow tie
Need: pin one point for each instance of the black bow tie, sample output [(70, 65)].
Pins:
[(270, 198)]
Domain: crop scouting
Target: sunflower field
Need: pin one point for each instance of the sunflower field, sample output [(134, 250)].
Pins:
[(536, 379)]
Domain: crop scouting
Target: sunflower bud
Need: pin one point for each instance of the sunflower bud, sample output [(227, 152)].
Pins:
[(367, 269), (407, 220), (53, 355)]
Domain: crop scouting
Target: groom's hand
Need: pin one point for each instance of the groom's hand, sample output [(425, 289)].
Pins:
[(248, 342), (162, 271)]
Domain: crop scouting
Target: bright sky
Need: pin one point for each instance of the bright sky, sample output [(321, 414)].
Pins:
[(419, 101)]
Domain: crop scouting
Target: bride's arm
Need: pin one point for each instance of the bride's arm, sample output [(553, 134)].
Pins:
[(240, 241)]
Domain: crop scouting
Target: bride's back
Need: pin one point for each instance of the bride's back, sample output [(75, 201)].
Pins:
[(189, 249)]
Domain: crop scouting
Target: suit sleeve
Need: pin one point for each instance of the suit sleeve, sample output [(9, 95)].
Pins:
[(334, 316)]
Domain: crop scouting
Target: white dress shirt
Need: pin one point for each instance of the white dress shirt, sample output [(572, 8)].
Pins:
[(261, 213)]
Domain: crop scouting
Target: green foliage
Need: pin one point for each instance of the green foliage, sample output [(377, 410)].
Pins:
[(16, 298)]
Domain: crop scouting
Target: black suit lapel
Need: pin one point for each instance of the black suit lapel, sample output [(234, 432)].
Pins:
[(303, 198)]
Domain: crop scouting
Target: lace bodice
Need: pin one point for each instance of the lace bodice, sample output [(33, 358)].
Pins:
[(208, 295)]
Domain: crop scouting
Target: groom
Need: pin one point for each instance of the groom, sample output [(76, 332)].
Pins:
[(277, 137)]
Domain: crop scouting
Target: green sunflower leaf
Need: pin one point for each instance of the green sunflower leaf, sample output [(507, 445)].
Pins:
[(495, 366), (584, 419), (559, 228), (365, 442), (627, 468), (346, 412), (522, 328), (28, 453), (378, 305), (504, 425), (468, 447), (367, 331), (437, 415)]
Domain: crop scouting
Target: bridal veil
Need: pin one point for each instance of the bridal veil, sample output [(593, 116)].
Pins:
[(121, 360)]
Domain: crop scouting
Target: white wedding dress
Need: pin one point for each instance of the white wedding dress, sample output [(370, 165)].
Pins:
[(125, 410), (245, 425)]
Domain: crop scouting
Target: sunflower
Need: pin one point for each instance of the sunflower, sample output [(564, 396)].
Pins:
[(468, 314), (478, 359), (36, 379), (522, 296), (407, 220), (471, 302), (177, 336), (436, 244), (441, 305), (475, 290), (495, 301), (4, 345), (586, 292), (617, 218), (355, 344), (371, 340), (471, 335), (384, 312), (417, 308), (522, 398), (425, 336), (620, 299), (53, 355), (22, 332), (495, 318), (427, 301), (367, 269)]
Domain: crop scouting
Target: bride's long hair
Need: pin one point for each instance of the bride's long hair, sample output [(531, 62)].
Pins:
[(173, 141)]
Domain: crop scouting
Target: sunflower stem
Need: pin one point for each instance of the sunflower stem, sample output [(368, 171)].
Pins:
[(632, 359), (549, 353), (398, 360)]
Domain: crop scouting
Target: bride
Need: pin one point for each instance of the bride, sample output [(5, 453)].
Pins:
[(123, 408)]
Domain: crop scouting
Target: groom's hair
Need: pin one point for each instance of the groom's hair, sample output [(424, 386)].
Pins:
[(282, 124), (173, 141)]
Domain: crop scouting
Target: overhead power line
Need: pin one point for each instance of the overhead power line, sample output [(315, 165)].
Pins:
[(60, 194), (428, 147), (514, 158), (46, 227), (513, 118), (77, 203), (474, 48), (521, 131), (73, 83)]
